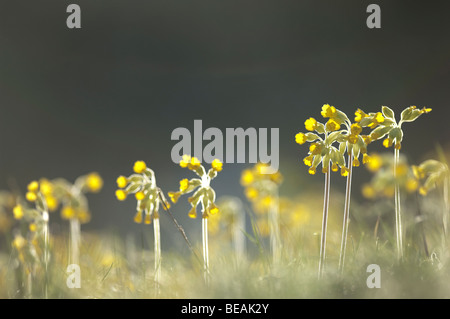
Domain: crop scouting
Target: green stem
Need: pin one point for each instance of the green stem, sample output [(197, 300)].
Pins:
[(205, 248), (274, 226), (348, 189), (326, 200), (45, 218), (74, 240), (157, 248), (398, 216)]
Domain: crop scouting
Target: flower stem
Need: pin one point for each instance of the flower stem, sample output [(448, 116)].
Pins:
[(157, 248), (446, 206), (326, 200), (398, 216), (205, 248), (348, 189), (274, 227), (45, 218), (74, 240)]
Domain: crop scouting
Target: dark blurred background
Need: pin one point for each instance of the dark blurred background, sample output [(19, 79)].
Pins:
[(100, 97)]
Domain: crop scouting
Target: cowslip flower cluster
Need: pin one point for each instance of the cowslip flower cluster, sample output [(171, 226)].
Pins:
[(259, 187), (349, 139), (387, 126), (431, 173), (382, 184), (204, 194), (148, 195)]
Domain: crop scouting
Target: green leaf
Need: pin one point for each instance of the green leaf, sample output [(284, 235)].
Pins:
[(387, 112)]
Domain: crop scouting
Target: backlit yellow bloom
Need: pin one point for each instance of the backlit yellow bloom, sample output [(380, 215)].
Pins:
[(312, 170), (121, 194), (328, 111), (33, 186), (138, 217), (52, 203), (387, 142), (185, 161), (359, 115), (355, 129), (213, 209), (194, 164), (139, 195), (139, 167), (353, 138), (19, 242), (300, 138), (46, 187), (31, 196), (83, 216), (184, 184), (174, 196), (217, 165), (193, 212), (355, 162), (344, 171), (332, 125), (334, 167), (67, 212), (94, 182), (32, 227), (251, 193), (411, 185), (121, 181), (375, 163), (311, 124), (308, 160), (247, 177), (315, 149), (18, 212), (366, 158), (368, 191), (147, 219)]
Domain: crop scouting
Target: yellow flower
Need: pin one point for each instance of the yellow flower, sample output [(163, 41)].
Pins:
[(139, 195), (359, 115), (174, 196), (411, 185), (355, 162), (32, 227), (18, 212), (315, 149), (418, 172), (328, 111), (139, 167), (300, 138), (312, 170), (31, 196), (423, 191), (185, 160), (217, 165), (33, 186), (367, 139), (375, 163), (366, 158), (368, 191), (19, 242), (310, 124), (184, 184), (138, 217), (387, 142), (194, 164), (247, 177), (67, 212), (308, 160), (213, 209), (355, 129), (334, 167), (46, 187), (52, 202), (121, 181), (251, 193), (344, 171), (379, 118), (121, 194), (94, 182), (193, 212), (332, 125), (83, 216), (147, 219), (353, 138)]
